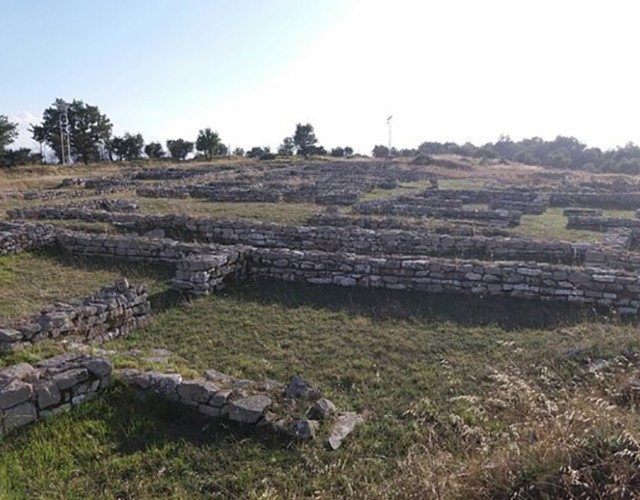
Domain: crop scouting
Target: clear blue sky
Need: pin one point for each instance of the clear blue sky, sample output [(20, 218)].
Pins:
[(456, 70)]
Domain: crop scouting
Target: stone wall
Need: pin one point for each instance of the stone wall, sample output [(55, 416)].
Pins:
[(29, 393), (391, 206), (112, 312), (17, 238), (611, 200), (601, 223), (582, 212), (616, 289)]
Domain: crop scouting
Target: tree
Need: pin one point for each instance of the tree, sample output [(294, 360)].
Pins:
[(238, 152), (128, 147), (337, 152), (21, 156), (380, 151), (8, 132), (260, 153), (348, 151), (89, 131), (304, 139), (154, 150), (179, 148), (287, 147), (209, 143)]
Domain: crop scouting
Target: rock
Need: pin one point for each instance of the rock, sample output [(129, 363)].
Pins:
[(342, 427), (298, 388), (99, 367), (597, 365), (22, 371), (248, 410), (69, 378), (196, 391), (322, 409), (305, 429), (155, 233), (48, 394), (13, 392), (10, 335), (18, 416), (121, 285)]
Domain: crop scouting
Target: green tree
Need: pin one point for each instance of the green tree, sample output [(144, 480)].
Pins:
[(89, 131), (209, 143), (179, 148), (154, 150), (128, 147), (287, 147), (348, 151), (304, 139), (337, 152), (238, 152), (8, 132), (380, 151)]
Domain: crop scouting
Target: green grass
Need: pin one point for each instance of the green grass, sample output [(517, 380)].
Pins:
[(29, 281), (552, 225), (273, 212), (407, 362)]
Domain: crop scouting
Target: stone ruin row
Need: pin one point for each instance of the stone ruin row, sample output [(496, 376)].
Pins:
[(299, 253), (33, 392)]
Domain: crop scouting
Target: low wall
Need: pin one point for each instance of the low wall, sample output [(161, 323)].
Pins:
[(616, 289), (388, 206), (17, 238), (29, 393), (611, 200), (601, 223), (112, 312), (582, 212)]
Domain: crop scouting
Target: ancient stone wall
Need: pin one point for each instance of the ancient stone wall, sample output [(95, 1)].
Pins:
[(112, 312), (29, 393), (616, 289), (582, 212), (17, 238), (601, 223), (390, 206), (611, 200)]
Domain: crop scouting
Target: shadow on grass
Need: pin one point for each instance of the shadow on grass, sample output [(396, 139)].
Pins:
[(136, 423), (507, 312)]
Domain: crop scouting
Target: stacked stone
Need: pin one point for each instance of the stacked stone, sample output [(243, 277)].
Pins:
[(245, 402), (206, 274), (389, 206), (376, 223), (134, 248), (112, 312), (526, 207), (46, 195), (91, 211), (601, 223), (582, 212), (619, 290), (18, 238), (612, 200), (29, 393)]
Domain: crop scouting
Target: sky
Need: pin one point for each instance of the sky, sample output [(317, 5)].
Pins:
[(455, 70)]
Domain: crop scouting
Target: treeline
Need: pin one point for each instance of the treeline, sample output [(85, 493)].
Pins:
[(562, 152), (79, 132)]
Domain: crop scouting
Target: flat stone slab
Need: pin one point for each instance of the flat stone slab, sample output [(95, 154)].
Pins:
[(342, 427), (248, 410)]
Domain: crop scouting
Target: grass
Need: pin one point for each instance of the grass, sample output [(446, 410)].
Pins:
[(28, 282), (273, 212), (432, 383), (463, 397)]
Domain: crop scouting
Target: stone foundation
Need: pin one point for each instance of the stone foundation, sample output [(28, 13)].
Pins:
[(30, 393)]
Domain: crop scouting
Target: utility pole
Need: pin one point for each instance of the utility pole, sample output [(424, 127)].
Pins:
[(389, 126)]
